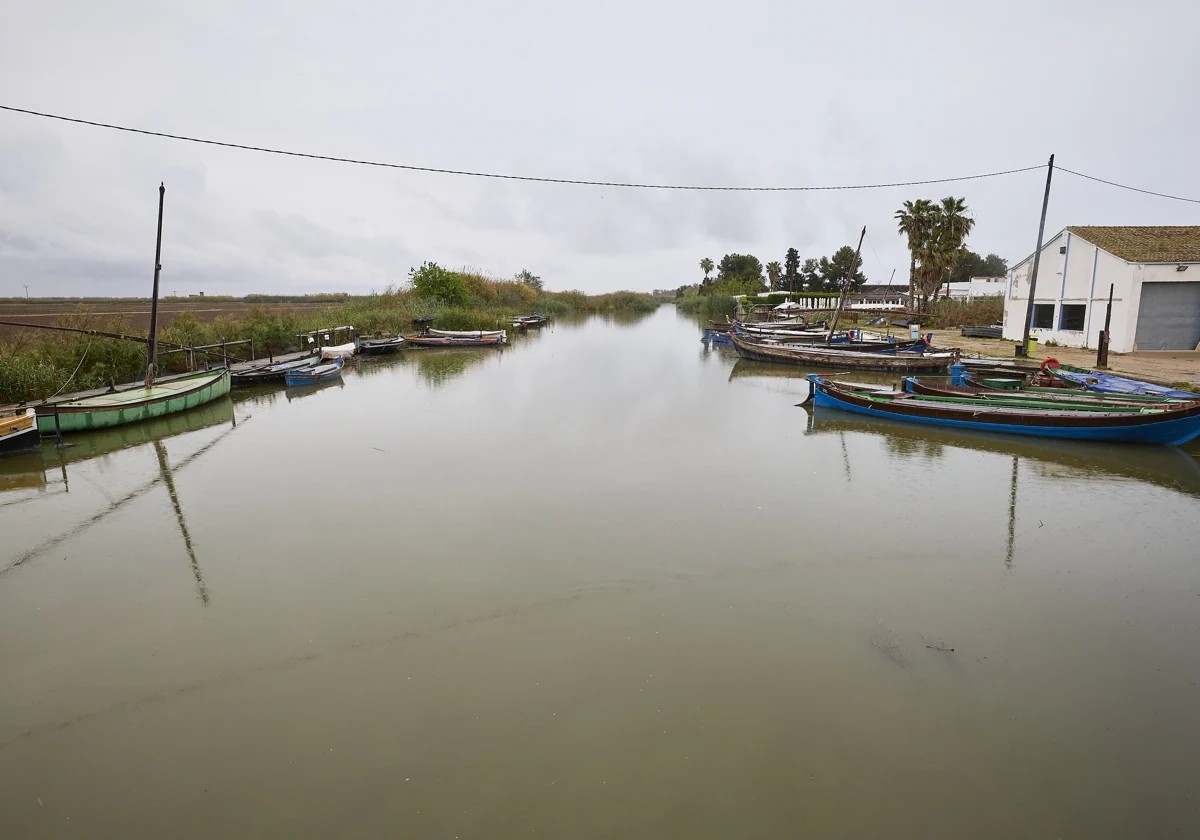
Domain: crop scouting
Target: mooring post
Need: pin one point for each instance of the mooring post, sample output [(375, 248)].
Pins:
[(57, 428), (1102, 350), (1023, 348), (152, 348)]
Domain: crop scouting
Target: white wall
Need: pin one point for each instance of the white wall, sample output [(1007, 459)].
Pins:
[(1080, 276)]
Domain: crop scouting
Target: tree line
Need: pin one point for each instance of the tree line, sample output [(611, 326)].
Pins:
[(936, 235), (744, 274)]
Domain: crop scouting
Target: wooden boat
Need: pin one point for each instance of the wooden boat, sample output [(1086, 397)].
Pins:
[(268, 374), (1032, 395), (524, 322), (1171, 425), (454, 341), (380, 345), (131, 403), (717, 336), (339, 351), (842, 357), (18, 431), (313, 375), (499, 335), (1109, 383)]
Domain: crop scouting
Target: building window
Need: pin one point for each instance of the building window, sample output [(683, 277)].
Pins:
[(1072, 317), (1043, 316)]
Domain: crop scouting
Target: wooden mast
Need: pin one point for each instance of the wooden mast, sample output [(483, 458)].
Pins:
[(152, 347), (846, 287)]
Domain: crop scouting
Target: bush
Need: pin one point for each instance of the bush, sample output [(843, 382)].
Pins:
[(436, 283)]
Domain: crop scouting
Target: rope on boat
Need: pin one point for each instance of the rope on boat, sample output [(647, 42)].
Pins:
[(72, 376)]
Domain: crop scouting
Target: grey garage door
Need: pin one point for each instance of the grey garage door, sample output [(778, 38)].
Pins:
[(1169, 318)]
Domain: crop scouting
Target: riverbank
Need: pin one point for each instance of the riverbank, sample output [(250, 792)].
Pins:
[(34, 364)]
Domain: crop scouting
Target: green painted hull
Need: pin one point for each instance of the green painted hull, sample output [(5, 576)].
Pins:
[(133, 405)]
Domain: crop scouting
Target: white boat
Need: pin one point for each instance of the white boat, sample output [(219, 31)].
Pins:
[(339, 351)]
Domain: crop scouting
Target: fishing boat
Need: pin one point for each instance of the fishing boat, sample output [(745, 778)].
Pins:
[(500, 335), (484, 340), (380, 345), (1175, 424), (1032, 395), (314, 375), (524, 322), (18, 431), (717, 336), (1109, 383), (132, 403), (844, 357), (268, 374)]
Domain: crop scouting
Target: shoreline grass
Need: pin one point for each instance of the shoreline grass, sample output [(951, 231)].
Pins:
[(35, 364)]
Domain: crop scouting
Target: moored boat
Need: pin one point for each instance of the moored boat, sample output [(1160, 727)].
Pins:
[(1174, 424), (270, 373), (18, 431), (131, 403), (499, 335), (457, 341), (524, 322), (1110, 383), (313, 375), (843, 357), (380, 345)]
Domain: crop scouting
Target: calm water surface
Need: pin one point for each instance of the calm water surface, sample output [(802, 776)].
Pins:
[(605, 583)]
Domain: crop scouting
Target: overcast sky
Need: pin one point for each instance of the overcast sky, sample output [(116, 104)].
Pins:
[(752, 93)]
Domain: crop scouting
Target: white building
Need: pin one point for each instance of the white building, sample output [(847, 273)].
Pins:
[(978, 287), (1154, 273)]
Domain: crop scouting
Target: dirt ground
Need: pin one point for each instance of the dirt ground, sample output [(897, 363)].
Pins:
[(137, 312), (1165, 367)]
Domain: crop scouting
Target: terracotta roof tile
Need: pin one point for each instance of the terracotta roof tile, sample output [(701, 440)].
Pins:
[(1164, 244)]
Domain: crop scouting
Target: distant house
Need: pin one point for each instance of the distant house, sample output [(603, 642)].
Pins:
[(200, 294), (1154, 273), (977, 287), (878, 297)]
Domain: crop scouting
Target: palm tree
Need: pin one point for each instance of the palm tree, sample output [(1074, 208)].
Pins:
[(941, 245), (774, 272), (706, 265), (913, 221)]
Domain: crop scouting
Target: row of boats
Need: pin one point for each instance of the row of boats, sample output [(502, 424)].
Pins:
[(1054, 400), (120, 405)]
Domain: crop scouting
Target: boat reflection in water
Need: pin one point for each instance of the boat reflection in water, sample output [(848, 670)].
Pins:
[(1169, 467), (437, 366), (47, 472), (298, 392)]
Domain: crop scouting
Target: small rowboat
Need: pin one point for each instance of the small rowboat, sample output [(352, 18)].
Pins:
[(454, 341), (271, 373), (18, 431), (524, 322), (313, 375), (339, 351), (131, 403), (379, 346), (843, 357), (1172, 424), (500, 335)]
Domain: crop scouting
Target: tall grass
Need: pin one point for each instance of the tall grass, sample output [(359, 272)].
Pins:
[(36, 364)]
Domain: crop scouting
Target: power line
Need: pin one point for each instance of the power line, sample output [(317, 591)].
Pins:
[(1127, 187), (498, 176)]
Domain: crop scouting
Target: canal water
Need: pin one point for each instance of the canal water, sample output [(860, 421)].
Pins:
[(605, 583)]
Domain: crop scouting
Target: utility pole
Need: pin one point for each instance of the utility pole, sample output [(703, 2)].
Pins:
[(1023, 347), (152, 347)]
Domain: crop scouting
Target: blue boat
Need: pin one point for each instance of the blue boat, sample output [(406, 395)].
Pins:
[(1110, 383), (313, 375), (717, 336), (1173, 423)]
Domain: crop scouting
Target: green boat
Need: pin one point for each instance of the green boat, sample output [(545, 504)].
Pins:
[(131, 403)]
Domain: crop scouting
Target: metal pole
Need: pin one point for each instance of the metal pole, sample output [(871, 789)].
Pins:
[(152, 350), (846, 286), (1023, 349), (1102, 350)]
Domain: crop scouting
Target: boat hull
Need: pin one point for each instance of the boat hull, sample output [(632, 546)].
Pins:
[(132, 405), (1177, 428), (316, 375), (18, 433), (438, 341), (842, 359)]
